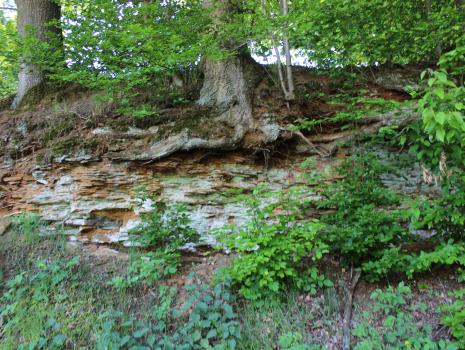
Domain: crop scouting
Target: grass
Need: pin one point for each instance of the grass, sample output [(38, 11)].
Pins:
[(55, 297), (53, 287), (265, 323)]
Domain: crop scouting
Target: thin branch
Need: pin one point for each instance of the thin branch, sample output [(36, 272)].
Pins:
[(8, 8), (324, 153), (279, 65), (348, 308)]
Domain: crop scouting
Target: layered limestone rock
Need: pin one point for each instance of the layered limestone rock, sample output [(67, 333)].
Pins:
[(191, 154), (95, 202)]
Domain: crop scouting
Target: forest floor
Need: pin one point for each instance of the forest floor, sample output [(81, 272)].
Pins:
[(50, 284)]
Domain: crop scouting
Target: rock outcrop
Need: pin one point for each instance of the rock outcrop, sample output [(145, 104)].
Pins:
[(190, 155), (95, 202)]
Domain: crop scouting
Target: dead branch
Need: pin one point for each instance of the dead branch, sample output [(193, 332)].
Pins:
[(324, 153), (348, 308)]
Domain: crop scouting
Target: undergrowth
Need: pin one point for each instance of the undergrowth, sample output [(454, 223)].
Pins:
[(396, 327), (277, 247), (164, 230)]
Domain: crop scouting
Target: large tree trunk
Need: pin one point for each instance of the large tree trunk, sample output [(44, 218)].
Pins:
[(228, 83), (35, 15), (228, 87)]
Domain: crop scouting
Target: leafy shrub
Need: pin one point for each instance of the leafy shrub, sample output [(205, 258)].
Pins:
[(164, 226), (438, 143), (400, 331), (26, 294), (292, 341), (212, 321), (147, 268), (361, 223), (453, 316), (368, 229), (166, 229), (9, 60), (276, 247), (121, 332), (205, 321), (28, 225)]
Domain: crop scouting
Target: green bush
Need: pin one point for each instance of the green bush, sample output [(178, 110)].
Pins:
[(147, 268), (28, 225), (394, 308), (165, 230), (23, 308), (165, 226), (292, 341), (9, 56), (205, 321), (362, 221), (277, 247), (453, 317)]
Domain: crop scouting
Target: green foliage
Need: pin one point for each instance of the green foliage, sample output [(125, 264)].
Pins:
[(60, 303), (9, 62), (400, 330), (118, 331), (340, 33), (147, 268), (441, 105), (355, 108), (205, 321), (212, 322), (286, 319), (439, 142), (27, 292), (28, 225), (367, 228), (131, 49), (277, 247), (164, 228), (362, 224), (139, 46), (446, 254), (292, 341), (453, 316)]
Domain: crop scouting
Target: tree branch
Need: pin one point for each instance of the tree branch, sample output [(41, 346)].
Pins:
[(348, 308), (6, 8)]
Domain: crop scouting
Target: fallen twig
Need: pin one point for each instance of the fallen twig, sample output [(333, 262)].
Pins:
[(324, 153)]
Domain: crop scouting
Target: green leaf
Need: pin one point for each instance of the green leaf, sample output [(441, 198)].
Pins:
[(440, 117), (140, 332), (196, 336), (440, 134), (439, 91), (59, 340), (212, 333), (205, 343)]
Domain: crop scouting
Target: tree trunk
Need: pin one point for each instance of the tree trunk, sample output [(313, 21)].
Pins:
[(34, 14), (228, 83), (287, 51)]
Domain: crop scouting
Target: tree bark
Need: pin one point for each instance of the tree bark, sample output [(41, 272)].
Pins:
[(35, 15), (286, 85), (287, 51), (228, 83)]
